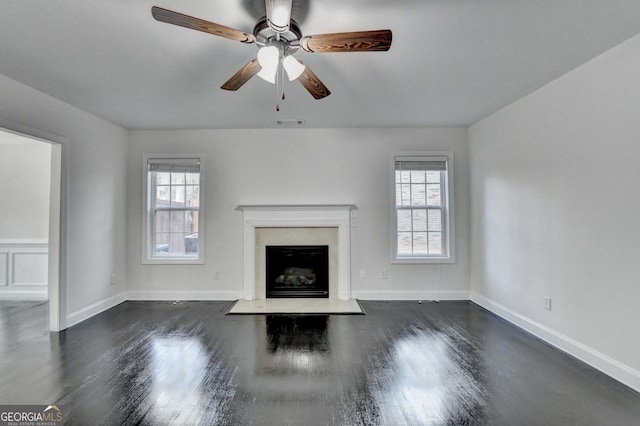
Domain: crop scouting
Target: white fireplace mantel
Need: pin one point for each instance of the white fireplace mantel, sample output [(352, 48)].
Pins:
[(298, 216)]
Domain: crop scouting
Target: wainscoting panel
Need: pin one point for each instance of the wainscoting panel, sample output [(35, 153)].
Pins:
[(29, 269), (23, 270), (4, 268)]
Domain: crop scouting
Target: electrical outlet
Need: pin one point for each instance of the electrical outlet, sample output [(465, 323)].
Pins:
[(113, 279), (363, 273), (384, 274), (216, 275), (547, 303)]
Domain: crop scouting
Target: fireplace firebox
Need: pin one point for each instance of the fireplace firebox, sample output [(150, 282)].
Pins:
[(297, 271)]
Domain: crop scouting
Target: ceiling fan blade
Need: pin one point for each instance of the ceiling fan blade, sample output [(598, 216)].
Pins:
[(312, 83), (279, 14), (181, 20), (357, 41), (242, 76)]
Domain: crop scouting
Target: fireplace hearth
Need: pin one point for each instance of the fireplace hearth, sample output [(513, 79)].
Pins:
[(297, 271)]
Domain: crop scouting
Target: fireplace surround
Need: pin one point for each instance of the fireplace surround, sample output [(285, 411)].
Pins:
[(298, 225)]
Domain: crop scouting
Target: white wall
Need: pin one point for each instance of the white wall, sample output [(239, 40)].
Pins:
[(25, 168), (298, 166), (555, 181), (94, 162)]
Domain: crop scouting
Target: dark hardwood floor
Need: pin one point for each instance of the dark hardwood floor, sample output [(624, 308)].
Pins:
[(404, 363)]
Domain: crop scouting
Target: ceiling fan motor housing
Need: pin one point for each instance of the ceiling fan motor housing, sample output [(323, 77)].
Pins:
[(288, 41)]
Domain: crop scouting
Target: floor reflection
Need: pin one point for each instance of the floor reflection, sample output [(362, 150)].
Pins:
[(178, 367), (424, 381), (297, 343)]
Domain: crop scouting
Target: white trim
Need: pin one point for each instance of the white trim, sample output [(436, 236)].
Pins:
[(189, 295), (187, 260), (57, 237), (87, 312), (23, 294), (609, 366), (449, 218), (429, 295), (21, 246), (23, 242)]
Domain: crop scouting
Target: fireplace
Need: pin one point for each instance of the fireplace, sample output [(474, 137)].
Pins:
[(297, 271), (266, 225)]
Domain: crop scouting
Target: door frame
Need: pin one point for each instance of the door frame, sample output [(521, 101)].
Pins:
[(57, 264)]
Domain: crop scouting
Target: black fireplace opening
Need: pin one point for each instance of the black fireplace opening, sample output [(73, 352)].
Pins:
[(297, 271)]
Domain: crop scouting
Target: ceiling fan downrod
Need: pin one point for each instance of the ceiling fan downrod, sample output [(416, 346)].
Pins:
[(279, 14)]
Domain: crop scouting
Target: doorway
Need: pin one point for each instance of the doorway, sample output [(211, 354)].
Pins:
[(30, 261)]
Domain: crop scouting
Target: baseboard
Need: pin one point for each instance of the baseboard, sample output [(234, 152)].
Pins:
[(410, 295), (193, 295), (25, 295), (597, 360), (95, 308)]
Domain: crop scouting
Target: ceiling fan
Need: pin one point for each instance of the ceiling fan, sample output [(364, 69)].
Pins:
[(278, 37)]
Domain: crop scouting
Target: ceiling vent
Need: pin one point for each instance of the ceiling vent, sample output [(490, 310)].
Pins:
[(289, 123)]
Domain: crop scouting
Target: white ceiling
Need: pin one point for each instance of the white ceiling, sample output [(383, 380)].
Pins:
[(452, 62)]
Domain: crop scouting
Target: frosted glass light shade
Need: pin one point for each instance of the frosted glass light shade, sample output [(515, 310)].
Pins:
[(268, 58), (293, 67)]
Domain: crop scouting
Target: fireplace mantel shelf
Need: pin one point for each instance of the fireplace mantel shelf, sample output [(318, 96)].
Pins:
[(295, 207)]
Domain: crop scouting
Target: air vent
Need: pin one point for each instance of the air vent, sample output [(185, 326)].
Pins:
[(289, 123)]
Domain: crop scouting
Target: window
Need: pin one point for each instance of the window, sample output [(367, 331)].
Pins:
[(422, 208), (174, 210)]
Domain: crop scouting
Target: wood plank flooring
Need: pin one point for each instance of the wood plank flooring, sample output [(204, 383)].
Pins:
[(404, 363)]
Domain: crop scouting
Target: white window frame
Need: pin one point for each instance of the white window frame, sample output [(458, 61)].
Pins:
[(448, 206), (147, 222)]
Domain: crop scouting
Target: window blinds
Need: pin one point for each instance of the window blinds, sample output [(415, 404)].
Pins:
[(174, 165), (421, 163)]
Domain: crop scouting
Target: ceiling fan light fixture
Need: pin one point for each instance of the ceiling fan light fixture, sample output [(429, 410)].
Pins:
[(279, 14), (268, 58), (293, 67)]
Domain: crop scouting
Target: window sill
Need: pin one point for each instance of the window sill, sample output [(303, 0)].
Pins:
[(172, 261), (422, 260)]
